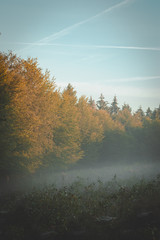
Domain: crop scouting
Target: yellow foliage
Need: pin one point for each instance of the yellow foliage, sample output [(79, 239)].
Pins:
[(90, 126), (30, 109)]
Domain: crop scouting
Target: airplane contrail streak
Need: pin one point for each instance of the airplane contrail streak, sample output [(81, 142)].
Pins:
[(67, 30)]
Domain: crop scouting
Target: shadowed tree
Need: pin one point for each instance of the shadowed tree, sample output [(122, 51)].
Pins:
[(156, 113), (126, 106), (91, 130), (140, 113), (114, 109), (149, 113)]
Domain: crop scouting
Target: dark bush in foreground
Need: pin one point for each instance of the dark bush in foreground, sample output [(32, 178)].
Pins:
[(97, 211)]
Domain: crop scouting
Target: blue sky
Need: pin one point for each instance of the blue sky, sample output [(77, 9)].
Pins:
[(99, 46)]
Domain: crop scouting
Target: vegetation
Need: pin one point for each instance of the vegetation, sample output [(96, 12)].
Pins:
[(110, 210), (44, 129)]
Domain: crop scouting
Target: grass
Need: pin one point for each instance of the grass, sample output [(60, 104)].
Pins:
[(110, 210)]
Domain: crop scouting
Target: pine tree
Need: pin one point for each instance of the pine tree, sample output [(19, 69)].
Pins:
[(149, 112), (114, 109), (92, 103), (101, 103), (158, 113), (126, 106), (140, 113)]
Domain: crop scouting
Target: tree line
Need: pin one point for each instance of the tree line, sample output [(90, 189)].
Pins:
[(43, 128)]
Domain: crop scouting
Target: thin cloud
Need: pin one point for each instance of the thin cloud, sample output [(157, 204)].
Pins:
[(91, 46), (129, 47), (132, 79), (67, 30), (104, 84), (94, 89)]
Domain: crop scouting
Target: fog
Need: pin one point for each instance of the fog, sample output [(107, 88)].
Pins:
[(129, 173)]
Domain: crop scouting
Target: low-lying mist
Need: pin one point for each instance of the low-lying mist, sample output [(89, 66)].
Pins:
[(107, 202), (129, 173)]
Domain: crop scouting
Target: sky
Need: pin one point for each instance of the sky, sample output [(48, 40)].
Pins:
[(99, 46)]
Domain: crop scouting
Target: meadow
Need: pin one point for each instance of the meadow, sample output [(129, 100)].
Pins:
[(115, 209)]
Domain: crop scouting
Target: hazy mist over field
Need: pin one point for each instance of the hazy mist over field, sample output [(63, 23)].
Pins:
[(126, 173)]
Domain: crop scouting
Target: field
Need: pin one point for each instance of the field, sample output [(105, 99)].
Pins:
[(113, 210)]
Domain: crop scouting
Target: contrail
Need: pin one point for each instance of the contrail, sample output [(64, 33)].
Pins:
[(91, 46), (67, 30), (130, 47), (133, 79)]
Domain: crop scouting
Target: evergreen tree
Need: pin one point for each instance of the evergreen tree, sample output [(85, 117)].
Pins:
[(154, 113), (92, 103), (126, 106), (101, 103), (149, 112), (41, 127), (114, 109), (158, 112), (140, 113)]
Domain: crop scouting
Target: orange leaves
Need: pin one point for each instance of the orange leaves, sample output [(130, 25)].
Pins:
[(67, 133), (90, 125), (128, 120), (29, 109), (37, 122)]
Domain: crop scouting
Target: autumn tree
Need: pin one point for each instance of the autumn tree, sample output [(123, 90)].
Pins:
[(140, 113), (6, 130), (42, 128), (27, 107), (67, 134), (128, 120), (91, 132)]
